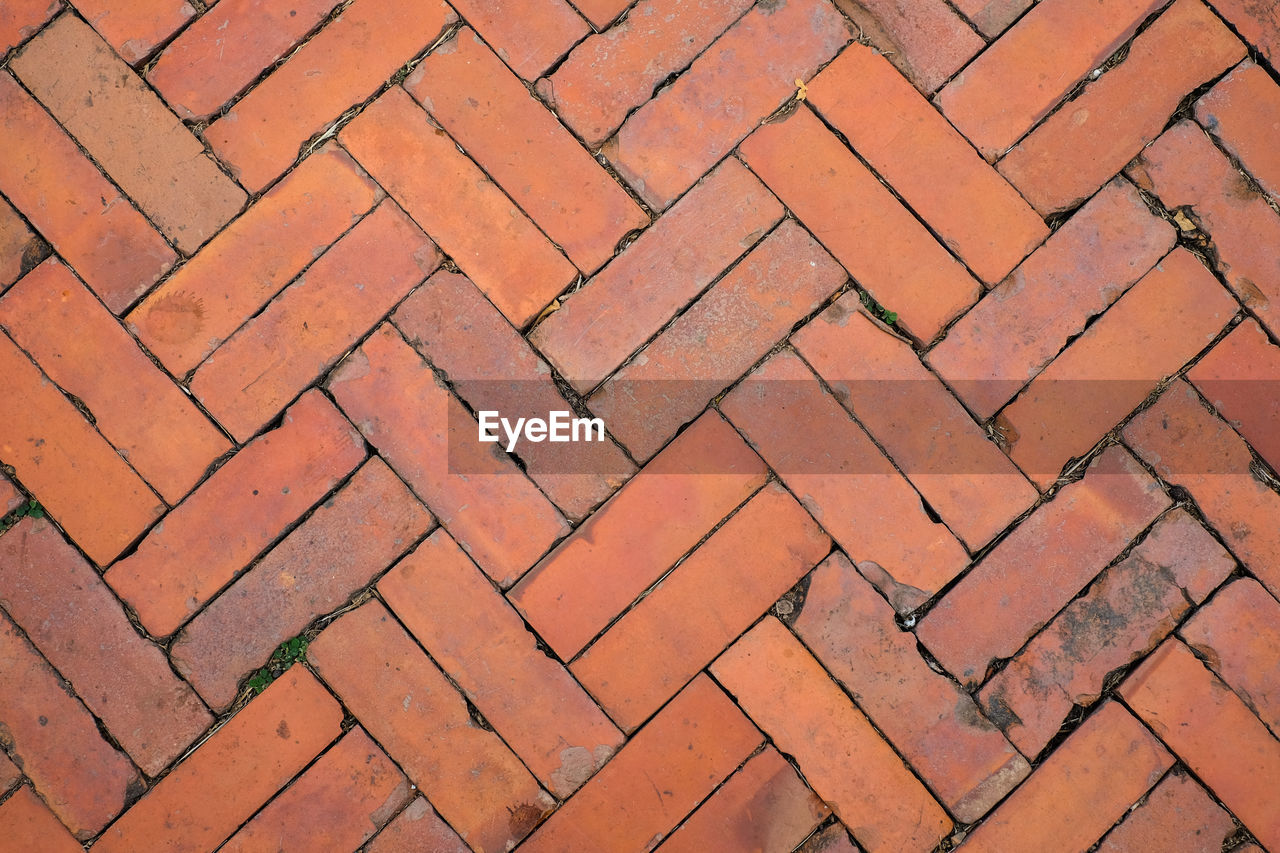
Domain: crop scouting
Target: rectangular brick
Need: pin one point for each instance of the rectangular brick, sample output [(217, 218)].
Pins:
[(671, 141), (493, 242), (10, 497), (638, 534), (680, 756), (1009, 336), (487, 504), (344, 64), (1177, 815), (236, 514), (135, 27), (979, 216), (20, 19), (1028, 577), (365, 527), (129, 131), (20, 249), (1240, 376), (529, 35), (479, 640), (844, 481), (882, 245), (412, 710), (701, 606), (416, 829), (993, 17), (136, 407), (721, 335), (793, 699), (241, 269), (925, 39), (29, 825), (1242, 112), (933, 723), (1257, 24), (601, 12), (9, 774), (113, 248)]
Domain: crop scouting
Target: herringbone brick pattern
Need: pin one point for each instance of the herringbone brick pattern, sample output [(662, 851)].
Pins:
[(938, 350)]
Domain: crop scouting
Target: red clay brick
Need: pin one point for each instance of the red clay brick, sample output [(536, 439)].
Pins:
[(1240, 376), (46, 177), (1008, 337), (67, 465), (1212, 731), (764, 806), (54, 739), (493, 242), (1178, 815), (935, 170), (251, 377), (1090, 139), (684, 752), (668, 265), (337, 804), (934, 724), (10, 497), (610, 74), (993, 17), (20, 249), (1023, 75), (9, 774), (1152, 331), (1018, 587), (487, 504), (833, 839), (135, 27), (925, 39), (129, 131), (1083, 788), (29, 825), (20, 19), (409, 706), (236, 513), (344, 64), (698, 609), (747, 73), (1243, 113), (206, 797), (965, 477), (529, 35), (886, 249), (480, 641), (844, 481), (1125, 614), (196, 74), (362, 529), (638, 534), (791, 697), (135, 406), (415, 830), (1257, 23), (205, 301), (727, 330)]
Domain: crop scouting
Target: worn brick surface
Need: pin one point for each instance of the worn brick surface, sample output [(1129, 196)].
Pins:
[(1178, 814), (417, 828), (529, 35), (1243, 113), (1238, 377), (135, 27), (29, 825), (20, 249), (21, 19), (925, 39)]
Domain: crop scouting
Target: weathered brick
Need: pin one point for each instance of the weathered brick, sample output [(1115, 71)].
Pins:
[(20, 249), (1093, 258), (668, 265), (993, 17), (206, 797), (10, 497), (485, 502), (88, 354), (493, 242), (20, 19), (684, 622), (1240, 376), (529, 35), (684, 752), (29, 825), (135, 27), (344, 64), (1258, 24), (925, 39), (791, 697), (1159, 325), (129, 131), (236, 513), (886, 249), (408, 705), (833, 839), (480, 641), (747, 73), (1027, 578), (1243, 113), (352, 537), (9, 774), (416, 829), (1178, 815), (638, 534)]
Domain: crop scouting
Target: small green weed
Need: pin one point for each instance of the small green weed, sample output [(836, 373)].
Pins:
[(289, 653), (877, 310), (30, 509)]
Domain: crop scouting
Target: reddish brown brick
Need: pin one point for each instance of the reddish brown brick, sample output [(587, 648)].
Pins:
[(206, 797), (697, 740), (135, 405), (833, 839), (1257, 24), (638, 534), (135, 27), (1178, 815), (9, 774), (791, 697), (480, 641), (485, 502), (1243, 113), (529, 35), (683, 623), (344, 64), (1027, 578), (416, 829), (601, 13), (10, 497), (409, 706), (993, 17), (129, 132), (667, 144), (20, 249), (29, 825), (493, 242), (886, 249), (925, 39), (352, 537), (1240, 376), (20, 19), (236, 513)]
